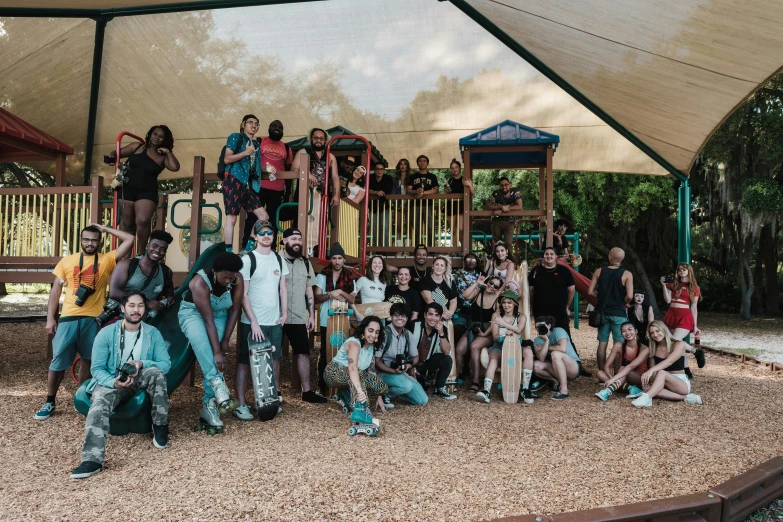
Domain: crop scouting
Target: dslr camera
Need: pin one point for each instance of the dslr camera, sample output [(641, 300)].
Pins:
[(110, 310), (82, 294), (475, 328), (668, 279), (127, 370), (542, 329), (402, 362)]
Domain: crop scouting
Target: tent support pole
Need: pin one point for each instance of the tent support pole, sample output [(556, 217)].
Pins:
[(684, 222), (95, 83)]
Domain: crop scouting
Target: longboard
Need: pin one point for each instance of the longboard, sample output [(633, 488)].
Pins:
[(511, 368), (337, 326), (380, 310), (263, 375), (313, 221), (451, 382)]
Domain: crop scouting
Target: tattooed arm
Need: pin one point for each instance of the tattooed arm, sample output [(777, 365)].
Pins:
[(310, 300), (353, 370)]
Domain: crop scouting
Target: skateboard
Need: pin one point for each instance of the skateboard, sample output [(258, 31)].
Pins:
[(511, 368), (263, 375), (336, 330), (524, 298), (379, 310), (313, 221), (451, 382)]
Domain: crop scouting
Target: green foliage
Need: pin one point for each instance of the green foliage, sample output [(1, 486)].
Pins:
[(762, 195)]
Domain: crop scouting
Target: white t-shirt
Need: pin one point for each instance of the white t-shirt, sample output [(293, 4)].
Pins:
[(263, 289), (132, 345), (372, 291)]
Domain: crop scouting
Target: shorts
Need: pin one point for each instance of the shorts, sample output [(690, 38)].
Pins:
[(238, 196), (683, 378), (611, 322), (273, 334), (74, 334), (498, 345), (460, 318), (679, 318), (134, 194), (298, 338)]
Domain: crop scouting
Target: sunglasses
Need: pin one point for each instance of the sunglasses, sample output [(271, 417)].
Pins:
[(496, 287), (266, 233)]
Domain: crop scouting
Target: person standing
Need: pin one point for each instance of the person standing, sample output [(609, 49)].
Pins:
[(84, 276), (613, 287), (381, 185), (421, 184), (457, 184), (552, 290), (264, 309), (559, 239), (401, 174), (683, 296), (503, 201)]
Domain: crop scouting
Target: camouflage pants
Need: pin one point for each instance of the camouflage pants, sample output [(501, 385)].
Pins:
[(336, 375), (105, 401)]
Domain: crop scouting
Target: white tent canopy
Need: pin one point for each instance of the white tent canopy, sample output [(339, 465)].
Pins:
[(411, 75)]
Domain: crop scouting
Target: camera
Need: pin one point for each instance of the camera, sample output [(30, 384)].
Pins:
[(542, 329), (82, 294), (475, 328), (110, 310), (668, 279), (401, 361), (127, 370)]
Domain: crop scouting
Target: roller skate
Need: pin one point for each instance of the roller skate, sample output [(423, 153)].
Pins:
[(210, 419), (363, 421), (223, 398), (343, 397)]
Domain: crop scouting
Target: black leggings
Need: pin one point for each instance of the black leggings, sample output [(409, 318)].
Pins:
[(437, 363)]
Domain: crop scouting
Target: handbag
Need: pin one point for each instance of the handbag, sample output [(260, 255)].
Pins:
[(594, 317)]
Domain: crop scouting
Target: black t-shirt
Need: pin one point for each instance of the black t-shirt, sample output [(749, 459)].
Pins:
[(410, 297), (386, 184), (562, 247), (426, 181), (551, 295), (417, 276), (442, 293), (455, 185)]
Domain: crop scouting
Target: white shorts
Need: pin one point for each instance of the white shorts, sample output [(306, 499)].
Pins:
[(683, 378)]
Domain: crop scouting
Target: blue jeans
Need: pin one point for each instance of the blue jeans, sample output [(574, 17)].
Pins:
[(612, 323), (405, 387), (194, 328)]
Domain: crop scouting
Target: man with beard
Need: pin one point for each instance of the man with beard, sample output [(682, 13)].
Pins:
[(276, 157), (347, 166), (465, 277), (300, 320), (127, 342), (146, 274), (85, 276), (419, 270), (505, 200)]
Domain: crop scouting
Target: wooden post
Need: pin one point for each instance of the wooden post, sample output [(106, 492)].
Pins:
[(304, 196), (160, 214), (59, 173), (541, 200), (466, 220), (550, 223), (95, 199), (195, 210)]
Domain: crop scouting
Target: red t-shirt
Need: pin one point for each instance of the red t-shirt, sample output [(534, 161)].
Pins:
[(683, 298), (274, 153)]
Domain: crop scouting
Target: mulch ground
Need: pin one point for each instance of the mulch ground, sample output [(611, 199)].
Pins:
[(458, 460)]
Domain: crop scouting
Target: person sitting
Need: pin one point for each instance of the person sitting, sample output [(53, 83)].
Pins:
[(501, 266), (419, 269), (464, 277), (396, 360), (440, 287), (432, 343), (556, 359), (559, 239), (666, 378), (633, 363), (641, 315), (372, 285), (506, 319), (356, 185), (483, 296), (146, 274), (403, 293), (351, 368), (125, 343)]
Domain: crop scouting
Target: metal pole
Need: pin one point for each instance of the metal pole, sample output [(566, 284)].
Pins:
[(575, 239), (684, 222), (95, 83)]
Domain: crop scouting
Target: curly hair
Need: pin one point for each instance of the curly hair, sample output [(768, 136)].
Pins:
[(359, 333), (384, 277), (168, 137)]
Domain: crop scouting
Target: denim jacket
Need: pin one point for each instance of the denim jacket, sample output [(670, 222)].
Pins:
[(106, 354)]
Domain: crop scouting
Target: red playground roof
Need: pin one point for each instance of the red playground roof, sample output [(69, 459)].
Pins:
[(20, 140)]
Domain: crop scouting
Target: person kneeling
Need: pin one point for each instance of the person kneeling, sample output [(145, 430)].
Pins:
[(432, 342), (127, 356), (397, 358), (556, 359)]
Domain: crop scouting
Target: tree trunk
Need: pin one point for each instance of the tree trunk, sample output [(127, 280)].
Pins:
[(3, 290), (769, 244), (756, 301), (745, 275)]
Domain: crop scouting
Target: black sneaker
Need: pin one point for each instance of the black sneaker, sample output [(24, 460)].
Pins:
[(527, 396), (560, 396), (314, 398), (86, 469), (536, 386), (535, 394), (700, 360), (443, 394), (160, 436), (556, 387), (688, 373)]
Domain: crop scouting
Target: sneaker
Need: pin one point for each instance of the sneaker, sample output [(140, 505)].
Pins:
[(314, 397), (160, 436), (527, 396), (387, 402), (560, 396), (535, 394), (634, 392), (688, 373), (243, 413), (700, 360), (556, 387), (538, 385), (692, 398), (483, 396), (604, 394), (643, 401), (45, 412), (443, 394), (280, 397), (86, 469)]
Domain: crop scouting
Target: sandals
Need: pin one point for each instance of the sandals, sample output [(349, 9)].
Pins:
[(474, 388)]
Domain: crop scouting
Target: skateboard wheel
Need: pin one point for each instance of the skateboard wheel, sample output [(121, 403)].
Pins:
[(373, 432), (352, 431), (500, 387), (330, 312), (350, 311), (345, 409)]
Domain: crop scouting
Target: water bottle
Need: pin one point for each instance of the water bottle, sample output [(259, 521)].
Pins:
[(152, 313)]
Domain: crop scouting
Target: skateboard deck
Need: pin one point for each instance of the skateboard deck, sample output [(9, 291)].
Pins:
[(263, 375), (524, 299), (451, 382), (511, 368), (380, 310), (313, 221), (337, 326)]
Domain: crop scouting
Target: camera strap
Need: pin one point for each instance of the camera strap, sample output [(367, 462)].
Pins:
[(94, 268), (122, 341)]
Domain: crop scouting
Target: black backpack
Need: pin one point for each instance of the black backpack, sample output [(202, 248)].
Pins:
[(134, 264), (221, 166)]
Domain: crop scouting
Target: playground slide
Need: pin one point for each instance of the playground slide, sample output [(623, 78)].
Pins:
[(581, 283), (134, 415)]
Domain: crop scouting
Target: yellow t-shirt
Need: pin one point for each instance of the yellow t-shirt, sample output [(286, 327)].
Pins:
[(68, 269)]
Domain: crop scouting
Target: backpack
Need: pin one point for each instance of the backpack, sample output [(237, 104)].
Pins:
[(387, 344), (253, 262)]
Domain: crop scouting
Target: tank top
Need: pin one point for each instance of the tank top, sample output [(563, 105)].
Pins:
[(629, 359), (136, 282), (611, 292), (677, 365), (144, 172), (365, 354), (479, 314), (502, 329)]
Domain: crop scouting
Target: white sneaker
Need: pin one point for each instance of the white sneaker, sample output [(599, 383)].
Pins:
[(387, 403), (692, 398), (483, 396), (643, 401), (243, 413)]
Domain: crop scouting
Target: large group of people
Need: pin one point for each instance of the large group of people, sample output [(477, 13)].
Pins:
[(269, 295)]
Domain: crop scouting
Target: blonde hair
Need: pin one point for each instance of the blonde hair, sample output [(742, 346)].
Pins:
[(692, 285), (667, 337), (447, 273)]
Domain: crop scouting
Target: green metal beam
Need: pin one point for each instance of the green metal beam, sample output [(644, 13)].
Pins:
[(43, 12), (684, 222), (95, 84), (530, 58)]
